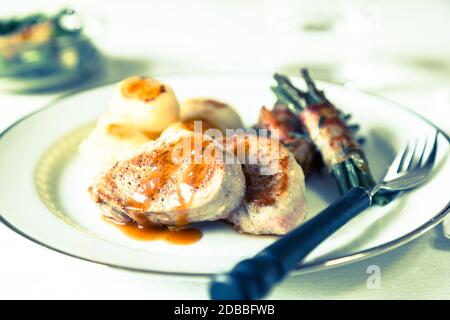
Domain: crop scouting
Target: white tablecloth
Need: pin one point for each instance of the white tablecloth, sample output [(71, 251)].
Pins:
[(157, 37)]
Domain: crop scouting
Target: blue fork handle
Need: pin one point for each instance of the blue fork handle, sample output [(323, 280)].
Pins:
[(253, 278)]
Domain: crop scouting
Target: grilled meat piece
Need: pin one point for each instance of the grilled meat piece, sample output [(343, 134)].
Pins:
[(163, 184), (288, 128), (275, 200)]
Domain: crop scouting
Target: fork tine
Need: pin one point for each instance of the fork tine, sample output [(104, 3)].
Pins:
[(422, 154), (416, 174), (402, 162), (393, 168), (432, 156), (413, 157), (412, 163)]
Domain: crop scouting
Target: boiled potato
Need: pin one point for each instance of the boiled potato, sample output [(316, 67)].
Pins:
[(111, 141), (187, 125), (144, 103), (219, 114)]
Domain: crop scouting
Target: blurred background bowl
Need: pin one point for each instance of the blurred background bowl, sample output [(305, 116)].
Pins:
[(45, 51)]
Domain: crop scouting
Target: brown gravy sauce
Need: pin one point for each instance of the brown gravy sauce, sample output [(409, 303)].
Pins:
[(152, 233), (164, 171)]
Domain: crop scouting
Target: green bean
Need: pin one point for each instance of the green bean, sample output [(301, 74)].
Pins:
[(354, 171), (340, 177), (382, 199), (289, 90), (351, 173), (346, 117), (354, 128), (368, 182), (281, 95)]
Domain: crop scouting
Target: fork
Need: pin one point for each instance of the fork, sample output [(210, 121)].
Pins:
[(253, 278)]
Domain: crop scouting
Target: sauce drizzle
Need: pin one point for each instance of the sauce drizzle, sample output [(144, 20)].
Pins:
[(147, 232), (165, 173)]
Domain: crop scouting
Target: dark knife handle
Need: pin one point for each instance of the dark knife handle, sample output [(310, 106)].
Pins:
[(253, 278)]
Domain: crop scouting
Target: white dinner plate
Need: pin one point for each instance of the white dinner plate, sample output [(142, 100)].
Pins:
[(44, 179)]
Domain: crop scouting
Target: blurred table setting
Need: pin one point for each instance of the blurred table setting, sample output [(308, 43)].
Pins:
[(395, 49)]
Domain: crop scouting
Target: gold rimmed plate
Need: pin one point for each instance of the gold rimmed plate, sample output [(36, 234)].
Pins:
[(44, 180)]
